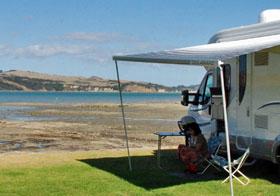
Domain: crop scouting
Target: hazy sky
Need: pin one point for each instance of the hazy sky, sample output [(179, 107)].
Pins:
[(79, 37)]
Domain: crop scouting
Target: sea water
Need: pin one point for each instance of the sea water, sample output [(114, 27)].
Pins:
[(85, 97)]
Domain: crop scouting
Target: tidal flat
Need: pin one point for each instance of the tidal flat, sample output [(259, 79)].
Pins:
[(71, 127)]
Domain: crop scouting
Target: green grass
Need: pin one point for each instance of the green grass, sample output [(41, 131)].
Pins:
[(106, 173)]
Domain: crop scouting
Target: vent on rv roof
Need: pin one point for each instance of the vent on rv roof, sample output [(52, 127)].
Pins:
[(261, 121), (261, 58), (269, 15)]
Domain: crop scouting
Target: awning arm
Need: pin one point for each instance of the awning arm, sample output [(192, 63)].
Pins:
[(226, 124), (123, 116)]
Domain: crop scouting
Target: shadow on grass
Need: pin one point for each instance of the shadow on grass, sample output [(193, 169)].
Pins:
[(145, 172), (263, 170)]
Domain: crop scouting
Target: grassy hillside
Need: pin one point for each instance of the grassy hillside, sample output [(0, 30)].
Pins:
[(26, 80)]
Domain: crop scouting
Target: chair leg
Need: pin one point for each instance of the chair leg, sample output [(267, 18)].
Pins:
[(247, 180), (240, 181), (200, 173), (209, 164), (215, 167)]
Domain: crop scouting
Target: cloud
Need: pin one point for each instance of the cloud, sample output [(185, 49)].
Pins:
[(42, 51), (4, 50), (102, 37), (88, 48), (91, 36)]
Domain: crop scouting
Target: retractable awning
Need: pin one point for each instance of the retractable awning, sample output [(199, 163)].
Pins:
[(207, 54)]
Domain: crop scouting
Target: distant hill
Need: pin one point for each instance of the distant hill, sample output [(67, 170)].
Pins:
[(33, 81)]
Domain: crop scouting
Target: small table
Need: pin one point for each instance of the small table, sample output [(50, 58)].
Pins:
[(162, 135)]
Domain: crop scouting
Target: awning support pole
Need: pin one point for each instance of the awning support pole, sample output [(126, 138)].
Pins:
[(123, 116), (226, 125)]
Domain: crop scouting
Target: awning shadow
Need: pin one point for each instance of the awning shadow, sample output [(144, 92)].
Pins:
[(263, 170), (145, 172)]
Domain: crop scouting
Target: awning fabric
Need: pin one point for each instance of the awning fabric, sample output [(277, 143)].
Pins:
[(207, 54)]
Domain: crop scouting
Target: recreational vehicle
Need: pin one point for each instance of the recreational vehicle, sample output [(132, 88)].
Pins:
[(248, 60), (252, 84)]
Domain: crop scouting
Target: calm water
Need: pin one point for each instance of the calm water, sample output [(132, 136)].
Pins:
[(20, 112), (85, 97)]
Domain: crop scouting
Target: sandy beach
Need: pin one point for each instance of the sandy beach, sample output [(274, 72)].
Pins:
[(55, 127)]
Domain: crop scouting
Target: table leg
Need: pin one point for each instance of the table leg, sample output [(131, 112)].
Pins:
[(158, 152)]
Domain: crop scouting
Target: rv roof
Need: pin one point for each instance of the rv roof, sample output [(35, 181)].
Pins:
[(207, 54), (246, 32)]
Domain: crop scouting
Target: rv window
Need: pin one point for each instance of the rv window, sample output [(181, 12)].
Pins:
[(204, 89), (209, 85), (227, 80), (261, 58), (201, 91), (242, 76)]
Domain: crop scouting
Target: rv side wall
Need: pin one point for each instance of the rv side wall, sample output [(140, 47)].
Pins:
[(254, 114)]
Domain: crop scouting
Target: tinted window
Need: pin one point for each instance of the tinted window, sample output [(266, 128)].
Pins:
[(204, 89), (209, 84), (201, 91), (242, 76), (227, 80)]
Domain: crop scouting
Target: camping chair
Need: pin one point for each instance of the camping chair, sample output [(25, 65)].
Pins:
[(214, 144), (236, 166)]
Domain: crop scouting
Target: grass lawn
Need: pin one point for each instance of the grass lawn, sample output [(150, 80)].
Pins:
[(106, 173)]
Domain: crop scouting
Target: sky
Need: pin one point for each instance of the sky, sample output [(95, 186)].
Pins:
[(79, 37)]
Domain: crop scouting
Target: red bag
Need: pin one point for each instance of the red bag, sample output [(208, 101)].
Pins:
[(192, 168)]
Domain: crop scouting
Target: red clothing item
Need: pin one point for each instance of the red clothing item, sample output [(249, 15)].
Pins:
[(186, 154), (191, 155)]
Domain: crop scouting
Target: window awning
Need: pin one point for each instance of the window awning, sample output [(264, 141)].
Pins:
[(207, 54)]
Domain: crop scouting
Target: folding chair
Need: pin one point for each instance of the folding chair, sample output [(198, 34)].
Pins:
[(214, 144), (236, 166)]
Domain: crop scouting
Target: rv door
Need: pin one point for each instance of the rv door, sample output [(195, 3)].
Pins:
[(244, 102)]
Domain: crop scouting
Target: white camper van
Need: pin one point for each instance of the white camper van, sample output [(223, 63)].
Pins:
[(252, 83), (250, 57)]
